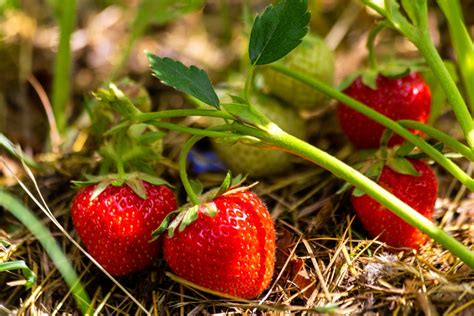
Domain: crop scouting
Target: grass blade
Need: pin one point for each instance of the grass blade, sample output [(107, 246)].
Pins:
[(26, 216), (63, 65), (20, 265)]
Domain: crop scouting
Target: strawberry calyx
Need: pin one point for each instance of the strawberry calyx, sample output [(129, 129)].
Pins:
[(398, 158), (394, 69), (134, 180), (128, 149), (188, 213)]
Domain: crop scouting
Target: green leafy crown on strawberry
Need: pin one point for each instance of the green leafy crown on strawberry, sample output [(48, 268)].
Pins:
[(114, 213)]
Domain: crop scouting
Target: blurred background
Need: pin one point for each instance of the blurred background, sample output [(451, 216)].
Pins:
[(108, 38)]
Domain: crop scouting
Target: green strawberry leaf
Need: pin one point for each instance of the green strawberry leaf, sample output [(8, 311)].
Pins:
[(246, 114), (358, 192), (398, 20), (387, 134), (375, 169), (197, 186), (174, 224), (369, 78), (278, 30), (402, 166), (190, 80), (405, 148), (421, 155), (414, 10), (161, 229), (238, 99), (190, 216), (151, 137), (137, 186), (238, 180), (101, 186), (210, 209), (164, 224), (225, 184), (116, 100), (348, 80), (153, 179), (394, 70)]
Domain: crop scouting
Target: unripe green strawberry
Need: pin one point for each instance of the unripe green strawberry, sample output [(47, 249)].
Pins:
[(313, 58), (259, 161)]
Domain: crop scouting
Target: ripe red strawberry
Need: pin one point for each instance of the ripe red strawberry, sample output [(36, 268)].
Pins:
[(232, 252), (116, 226), (407, 97), (419, 192)]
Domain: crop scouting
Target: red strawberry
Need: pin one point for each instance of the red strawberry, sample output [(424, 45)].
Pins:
[(116, 226), (407, 97), (232, 252), (419, 192)]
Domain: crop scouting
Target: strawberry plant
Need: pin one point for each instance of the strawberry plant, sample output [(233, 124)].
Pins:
[(223, 241), (114, 214), (271, 39)]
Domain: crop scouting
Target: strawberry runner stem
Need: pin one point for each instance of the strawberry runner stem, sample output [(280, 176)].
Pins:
[(462, 44), (446, 163), (182, 169), (143, 117), (248, 82), (426, 47), (296, 146), (182, 161)]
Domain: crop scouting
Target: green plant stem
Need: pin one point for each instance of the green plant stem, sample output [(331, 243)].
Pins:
[(120, 168), (182, 169), (440, 136), (450, 166), (419, 35), (284, 141), (249, 82), (143, 117), (338, 168), (190, 130), (370, 44), (60, 260), (462, 44), (63, 63), (427, 48), (16, 151), (20, 265)]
